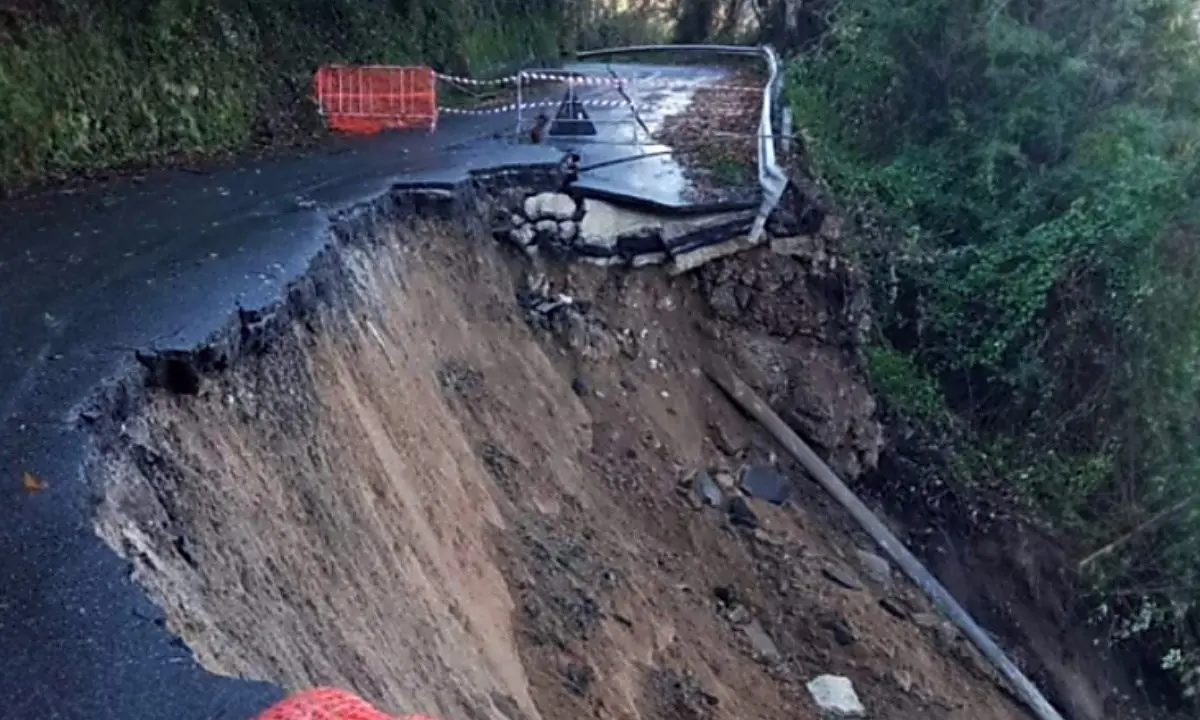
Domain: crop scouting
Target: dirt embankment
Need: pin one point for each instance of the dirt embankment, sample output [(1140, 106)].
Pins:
[(1017, 580), (416, 481)]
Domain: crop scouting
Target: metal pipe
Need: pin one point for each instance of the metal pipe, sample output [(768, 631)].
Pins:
[(745, 398)]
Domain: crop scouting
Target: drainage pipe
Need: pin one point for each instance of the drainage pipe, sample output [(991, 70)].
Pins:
[(744, 397)]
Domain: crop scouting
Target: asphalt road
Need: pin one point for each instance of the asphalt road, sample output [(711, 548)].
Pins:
[(162, 263), (632, 163)]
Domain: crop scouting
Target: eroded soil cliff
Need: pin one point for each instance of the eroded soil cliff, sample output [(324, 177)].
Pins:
[(415, 480)]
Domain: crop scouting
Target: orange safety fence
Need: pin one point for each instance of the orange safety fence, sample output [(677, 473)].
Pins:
[(327, 704), (365, 99)]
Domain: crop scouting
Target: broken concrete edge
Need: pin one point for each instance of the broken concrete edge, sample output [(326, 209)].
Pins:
[(250, 332), (471, 204)]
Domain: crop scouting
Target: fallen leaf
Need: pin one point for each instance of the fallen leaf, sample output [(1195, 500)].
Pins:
[(33, 483)]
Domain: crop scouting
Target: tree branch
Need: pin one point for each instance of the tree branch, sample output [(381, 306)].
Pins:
[(1155, 521)]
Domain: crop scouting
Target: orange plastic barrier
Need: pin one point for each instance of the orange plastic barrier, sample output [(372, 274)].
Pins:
[(327, 704), (369, 98)]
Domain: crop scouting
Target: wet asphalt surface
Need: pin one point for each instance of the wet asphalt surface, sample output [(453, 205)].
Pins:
[(89, 277)]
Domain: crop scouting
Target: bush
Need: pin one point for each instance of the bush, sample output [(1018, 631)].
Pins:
[(1036, 165)]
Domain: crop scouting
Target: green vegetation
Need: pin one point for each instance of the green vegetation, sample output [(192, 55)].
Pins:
[(729, 171), (1025, 174), (905, 385), (88, 84)]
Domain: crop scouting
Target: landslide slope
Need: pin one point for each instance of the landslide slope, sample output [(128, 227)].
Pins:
[(410, 483)]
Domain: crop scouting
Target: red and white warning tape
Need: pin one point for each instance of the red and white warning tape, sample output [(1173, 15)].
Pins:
[(635, 82), (631, 82), (460, 80), (564, 77), (512, 107), (576, 79)]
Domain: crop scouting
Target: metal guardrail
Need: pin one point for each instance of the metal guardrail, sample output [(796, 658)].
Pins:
[(771, 177)]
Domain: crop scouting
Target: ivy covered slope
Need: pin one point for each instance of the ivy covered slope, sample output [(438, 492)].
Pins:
[(88, 84), (1030, 172)]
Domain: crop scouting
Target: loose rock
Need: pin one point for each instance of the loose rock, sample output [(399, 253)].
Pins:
[(741, 515), (602, 243), (843, 632), (560, 207), (842, 576), (555, 206), (947, 633), (764, 647), (706, 489), (878, 569), (567, 230), (522, 236), (928, 621), (725, 480), (765, 483), (895, 608), (835, 695), (739, 615), (767, 538)]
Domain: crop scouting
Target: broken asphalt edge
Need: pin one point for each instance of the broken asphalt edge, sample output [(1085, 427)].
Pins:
[(82, 639)]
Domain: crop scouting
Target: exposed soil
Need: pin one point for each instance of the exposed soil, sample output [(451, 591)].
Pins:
[(820, 319), (422, 490)]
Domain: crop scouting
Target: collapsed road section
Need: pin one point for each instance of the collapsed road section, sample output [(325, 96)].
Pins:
[(465, 483)]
